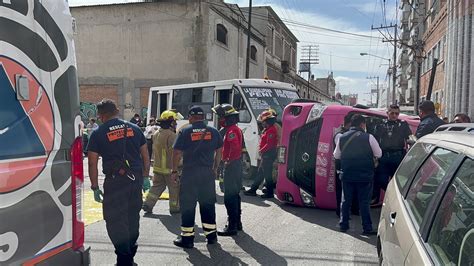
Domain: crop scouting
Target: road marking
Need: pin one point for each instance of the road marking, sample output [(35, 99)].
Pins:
[(93, 210)]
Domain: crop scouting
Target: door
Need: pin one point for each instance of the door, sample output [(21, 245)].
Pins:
[(160, 101)]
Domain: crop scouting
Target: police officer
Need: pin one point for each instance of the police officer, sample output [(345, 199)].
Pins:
[(429, 120), (231, 156), (355, 204), (268, 152), (200, 147), (392, 136), (356, 149), (163, 141), (126, 166)]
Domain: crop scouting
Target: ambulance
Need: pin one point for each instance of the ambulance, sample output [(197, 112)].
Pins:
[(249, 96), (41, 169)]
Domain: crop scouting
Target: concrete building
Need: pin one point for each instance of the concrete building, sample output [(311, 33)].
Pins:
[(326, 85), (411, 32), (459, 77), (124, 49), (434, 39)]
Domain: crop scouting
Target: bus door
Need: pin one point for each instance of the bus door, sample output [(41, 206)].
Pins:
[(222, 95), (248, 125), (160, 101)]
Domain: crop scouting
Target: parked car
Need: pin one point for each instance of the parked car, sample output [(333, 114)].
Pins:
[(427, 216)]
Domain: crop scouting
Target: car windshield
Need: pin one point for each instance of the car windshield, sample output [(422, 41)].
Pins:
[(261, 99)]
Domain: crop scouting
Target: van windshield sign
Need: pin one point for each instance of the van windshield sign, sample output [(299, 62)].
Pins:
[(261, 99)]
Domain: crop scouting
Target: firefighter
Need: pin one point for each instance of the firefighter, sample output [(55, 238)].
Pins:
[(268, 152), (231, 158), (200, 147), (163, 141), (125, 165)]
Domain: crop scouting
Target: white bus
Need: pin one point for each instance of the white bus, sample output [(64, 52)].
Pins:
[(249, 96)]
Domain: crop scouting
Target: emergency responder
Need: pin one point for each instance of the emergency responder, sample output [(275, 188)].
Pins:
[(355, 204), (163, 141), (150, 130), (268, 152), (126, 166), (200, 147), (231, 157), (429, 120), (356, 149), (392, 136)]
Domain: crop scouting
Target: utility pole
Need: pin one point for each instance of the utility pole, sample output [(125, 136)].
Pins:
[(378, 91), (249, 31), (394, 68), (309, 57)]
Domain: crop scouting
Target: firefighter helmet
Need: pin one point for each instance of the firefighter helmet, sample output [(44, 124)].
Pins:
[(224, 110), (169, 115), (265, 115)]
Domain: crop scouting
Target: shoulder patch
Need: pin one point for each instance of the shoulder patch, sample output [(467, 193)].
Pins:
[(232, 135), (271, 136)]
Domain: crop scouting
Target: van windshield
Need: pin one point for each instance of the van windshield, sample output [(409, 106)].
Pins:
[(261, 99)]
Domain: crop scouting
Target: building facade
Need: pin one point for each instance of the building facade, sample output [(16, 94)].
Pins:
[(124, 49), (434, 39), (459, 76)]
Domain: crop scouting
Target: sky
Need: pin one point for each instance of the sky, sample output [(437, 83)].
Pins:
[(339, 53)]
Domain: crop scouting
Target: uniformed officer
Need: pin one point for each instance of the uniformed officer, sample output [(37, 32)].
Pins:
[(392, 136), (268, 152), (231, 157), (429, 120), (355, 204), (126, 166), (163, 141), (357, 150), (200, 147)]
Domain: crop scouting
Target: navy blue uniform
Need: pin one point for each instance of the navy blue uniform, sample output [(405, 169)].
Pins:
[(428, 125), (357, 166), (122, 193), (392, 137), (198, 143)]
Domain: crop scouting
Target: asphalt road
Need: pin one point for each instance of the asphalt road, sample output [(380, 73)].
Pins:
[(274, 234)]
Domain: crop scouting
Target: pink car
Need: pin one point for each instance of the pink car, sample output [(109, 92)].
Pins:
[(306, 170)]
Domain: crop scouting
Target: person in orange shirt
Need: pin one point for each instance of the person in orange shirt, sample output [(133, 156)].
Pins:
[(268, 153)]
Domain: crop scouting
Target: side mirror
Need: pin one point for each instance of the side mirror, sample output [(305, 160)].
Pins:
[(244, 116)]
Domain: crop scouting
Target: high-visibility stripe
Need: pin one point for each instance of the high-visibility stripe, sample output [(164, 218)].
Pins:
[(209, 232), (187, 234), (208, 226), (187, 229), (152, 196), (159, 170)]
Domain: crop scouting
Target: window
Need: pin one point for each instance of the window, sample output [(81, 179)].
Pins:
[(221, 34), (427, 181), (185, 98), (410, 163), (239, 104), (451, 238), (253, 52)]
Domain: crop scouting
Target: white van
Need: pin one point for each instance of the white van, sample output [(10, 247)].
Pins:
[(41, 171), (249, 96)]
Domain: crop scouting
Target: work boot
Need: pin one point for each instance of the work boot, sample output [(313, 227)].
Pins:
[(184, 241), (174, 211), (211, 238), (147, 209), (250, 192), (229, 230)]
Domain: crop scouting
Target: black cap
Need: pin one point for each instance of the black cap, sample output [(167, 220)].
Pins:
[(196, 110), (426, 106)]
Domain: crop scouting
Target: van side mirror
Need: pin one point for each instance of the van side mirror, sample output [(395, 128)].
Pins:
[(244, 116)]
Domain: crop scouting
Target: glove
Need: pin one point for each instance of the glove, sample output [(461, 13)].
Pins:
[(146, 184), (98, 195)]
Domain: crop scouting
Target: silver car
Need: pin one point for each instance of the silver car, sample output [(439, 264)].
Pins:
[(427, 216)]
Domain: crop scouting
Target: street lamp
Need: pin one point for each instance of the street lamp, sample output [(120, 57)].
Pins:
[(389, 72)]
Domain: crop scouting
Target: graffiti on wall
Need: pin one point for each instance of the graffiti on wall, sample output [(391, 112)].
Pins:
[(88, 110)]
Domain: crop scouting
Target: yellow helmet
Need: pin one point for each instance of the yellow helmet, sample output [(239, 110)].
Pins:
[(169, 115)]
